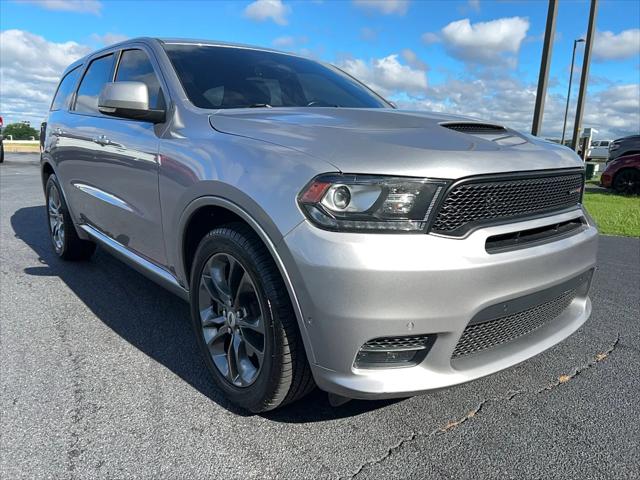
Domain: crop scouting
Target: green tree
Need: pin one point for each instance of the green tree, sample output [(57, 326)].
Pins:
[(20, 131)]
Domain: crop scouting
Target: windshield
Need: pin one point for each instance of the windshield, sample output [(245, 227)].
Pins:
[(226, 77)]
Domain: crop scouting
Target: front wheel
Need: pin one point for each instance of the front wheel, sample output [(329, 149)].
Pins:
[(244, 322)]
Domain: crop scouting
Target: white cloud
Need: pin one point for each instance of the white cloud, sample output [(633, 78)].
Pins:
[(386, 7), (386, 75), (108, 38), (613, 111), (430, 37), (263, 10), (610, 46), (81, 6), (30, 71), (496, 96), (493, 42), (413, 60)]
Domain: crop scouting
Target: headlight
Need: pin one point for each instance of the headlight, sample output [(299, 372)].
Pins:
[(361, 203)]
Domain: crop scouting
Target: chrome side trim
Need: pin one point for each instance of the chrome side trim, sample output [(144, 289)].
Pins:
[(102, 195), (138, 263)]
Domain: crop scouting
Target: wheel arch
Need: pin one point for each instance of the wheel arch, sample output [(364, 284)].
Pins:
[(46, 171), (222, 211)]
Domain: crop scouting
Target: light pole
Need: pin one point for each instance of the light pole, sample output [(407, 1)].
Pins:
[(566, 110)]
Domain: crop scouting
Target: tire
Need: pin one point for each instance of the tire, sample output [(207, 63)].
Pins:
[(62, 231), (255, 324), (627, 181)]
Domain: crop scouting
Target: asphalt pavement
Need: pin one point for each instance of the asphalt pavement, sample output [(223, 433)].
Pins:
[(100, 378)]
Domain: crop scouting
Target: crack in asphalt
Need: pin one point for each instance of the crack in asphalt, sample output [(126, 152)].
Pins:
[(453, 424), (383, 457)]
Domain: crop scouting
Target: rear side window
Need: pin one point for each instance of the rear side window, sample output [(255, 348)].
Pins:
[(135, 66), (65, 90), (99, 72)]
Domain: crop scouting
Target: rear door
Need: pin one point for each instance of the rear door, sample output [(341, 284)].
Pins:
[(116, 187)]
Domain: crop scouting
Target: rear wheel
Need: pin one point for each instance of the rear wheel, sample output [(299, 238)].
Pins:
[(627, 181), (62, 232), (244, 322)]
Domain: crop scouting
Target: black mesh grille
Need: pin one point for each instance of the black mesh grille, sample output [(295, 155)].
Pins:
[(471, 127), (474, 202), (397, 343), (481, 336)]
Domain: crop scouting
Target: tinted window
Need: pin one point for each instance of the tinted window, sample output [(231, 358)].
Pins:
[(223, 77), (97, 75), (135, 66), (604, 144), (65, 90)]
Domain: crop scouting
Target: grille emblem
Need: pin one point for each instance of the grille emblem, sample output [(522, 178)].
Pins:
[(574, 191)]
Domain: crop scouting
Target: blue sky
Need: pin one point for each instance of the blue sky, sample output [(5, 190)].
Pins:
[(474, 57)]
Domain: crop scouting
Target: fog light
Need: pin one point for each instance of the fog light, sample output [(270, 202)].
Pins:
[(372, 359), (387, 352)]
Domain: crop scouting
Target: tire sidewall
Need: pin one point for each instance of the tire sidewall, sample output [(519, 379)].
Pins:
[(221, 240), (52, 181)]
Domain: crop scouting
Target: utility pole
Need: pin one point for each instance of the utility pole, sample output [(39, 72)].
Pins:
[(544, 67), (586, 60), (566, 110)]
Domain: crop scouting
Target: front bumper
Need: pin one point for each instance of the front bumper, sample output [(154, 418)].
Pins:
[(356, 287)]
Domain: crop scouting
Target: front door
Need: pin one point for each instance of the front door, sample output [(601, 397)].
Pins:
[(117, 191)]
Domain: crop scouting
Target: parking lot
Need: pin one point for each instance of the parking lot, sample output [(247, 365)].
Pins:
[(100, 378)]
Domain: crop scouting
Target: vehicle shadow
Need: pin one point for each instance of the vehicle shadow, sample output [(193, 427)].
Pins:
[(153, 320)]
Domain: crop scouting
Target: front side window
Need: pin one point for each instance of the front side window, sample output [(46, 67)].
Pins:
[(63, 95), (226, 77), (98, 74), (135, 66)]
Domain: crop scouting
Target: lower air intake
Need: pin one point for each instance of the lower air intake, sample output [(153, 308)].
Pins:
[(479, 337)]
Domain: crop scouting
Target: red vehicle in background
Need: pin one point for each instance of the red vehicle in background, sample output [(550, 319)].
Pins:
[(623, 174)]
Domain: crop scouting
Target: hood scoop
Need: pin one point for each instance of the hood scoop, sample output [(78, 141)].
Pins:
[(474, 128)]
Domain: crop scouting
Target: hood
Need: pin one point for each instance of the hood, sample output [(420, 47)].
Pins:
[(396, 142)]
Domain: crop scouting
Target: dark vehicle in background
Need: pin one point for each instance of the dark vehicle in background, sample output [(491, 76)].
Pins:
[(624, 146), (1, 141), (622, 174)]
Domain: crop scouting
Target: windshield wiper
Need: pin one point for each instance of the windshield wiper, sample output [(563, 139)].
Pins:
[(260, 105)]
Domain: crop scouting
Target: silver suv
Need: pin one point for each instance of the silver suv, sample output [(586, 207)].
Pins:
[(321, 236)]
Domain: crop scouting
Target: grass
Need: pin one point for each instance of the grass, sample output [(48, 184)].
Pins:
[(23, 147), (614, 214)]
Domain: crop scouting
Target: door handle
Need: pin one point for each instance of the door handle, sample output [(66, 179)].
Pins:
[(104, 141), (101, 140)]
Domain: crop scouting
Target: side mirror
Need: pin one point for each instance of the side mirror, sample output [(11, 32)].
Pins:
[(128, 100)]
